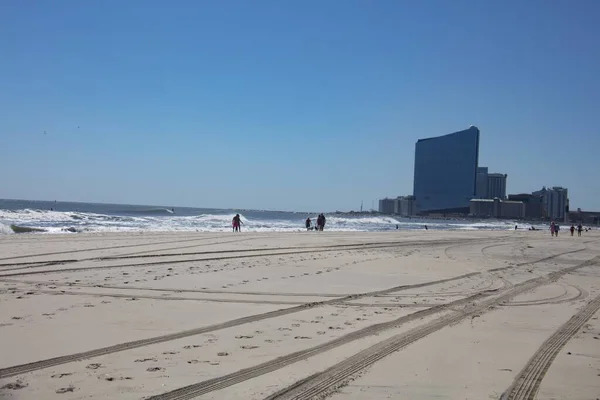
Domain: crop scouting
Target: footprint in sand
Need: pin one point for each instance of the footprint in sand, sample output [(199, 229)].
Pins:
[(141, 360), (68, 389), (222, 354), (321, 332), (302, 337), (170, 352), (249, 347), (94, 366), (154, 369), (57, 376), (296, 325), (244, 337), (18, 384), (283, 329), (191, 346)]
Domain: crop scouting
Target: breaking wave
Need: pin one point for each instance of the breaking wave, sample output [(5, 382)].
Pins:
[(161, 219)]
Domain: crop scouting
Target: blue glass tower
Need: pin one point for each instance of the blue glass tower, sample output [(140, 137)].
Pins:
[(446, 171)]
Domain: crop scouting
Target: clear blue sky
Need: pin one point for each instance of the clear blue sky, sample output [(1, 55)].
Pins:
[(296, 105)]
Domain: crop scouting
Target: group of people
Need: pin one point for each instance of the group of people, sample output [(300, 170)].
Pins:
[(555, 228), (320, 223), (579, 229)]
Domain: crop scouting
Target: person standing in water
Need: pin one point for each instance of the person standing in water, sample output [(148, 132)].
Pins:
[(308, 224), (323, 221)]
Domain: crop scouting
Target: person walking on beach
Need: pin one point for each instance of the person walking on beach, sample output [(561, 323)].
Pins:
[(319, 222), (572, 229), (556, 229), (308, 224), (579, 229), (323, 221), (552, 227)]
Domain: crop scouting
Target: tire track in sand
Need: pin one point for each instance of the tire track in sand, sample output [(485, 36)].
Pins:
[(234, 378), (372, 246), (51, 362), (105, 248), (527, 383), (323, 383)]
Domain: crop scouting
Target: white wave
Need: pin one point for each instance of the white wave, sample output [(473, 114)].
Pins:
[(57, 221), (5, 229), (360, 220)]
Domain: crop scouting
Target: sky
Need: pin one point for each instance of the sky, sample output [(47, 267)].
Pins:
[(291, 105)]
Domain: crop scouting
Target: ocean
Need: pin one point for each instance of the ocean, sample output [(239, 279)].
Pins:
[(66, 217)]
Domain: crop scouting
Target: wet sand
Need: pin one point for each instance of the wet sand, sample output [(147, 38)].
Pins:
[(403, 315)]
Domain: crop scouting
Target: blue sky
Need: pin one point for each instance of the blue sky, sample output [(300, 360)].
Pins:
[(295, 105)]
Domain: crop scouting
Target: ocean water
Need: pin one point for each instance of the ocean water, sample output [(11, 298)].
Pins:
[(64, 217)]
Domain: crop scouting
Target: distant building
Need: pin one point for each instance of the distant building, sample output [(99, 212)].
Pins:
[(446, 172), (484, 208), (534, 204), (496, 186), (406, 206), (585, 217), (512, 209), (496, 208), (555, 202), (481, 189), (387, 206), (402, 205)]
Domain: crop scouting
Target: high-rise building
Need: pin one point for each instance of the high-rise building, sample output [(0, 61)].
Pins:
[(496, 186), (406, 206), (446, 171), (555, 201), (481, 190), (387, 206)]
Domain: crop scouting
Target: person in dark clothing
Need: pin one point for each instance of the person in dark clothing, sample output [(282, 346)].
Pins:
[(308, 224), (237, 222), (323, 221), (579, 229), (572, 229)]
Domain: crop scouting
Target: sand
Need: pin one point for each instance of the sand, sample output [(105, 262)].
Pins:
[(403, 315)]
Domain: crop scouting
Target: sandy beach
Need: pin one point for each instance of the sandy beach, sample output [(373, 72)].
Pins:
[(339, 315)]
